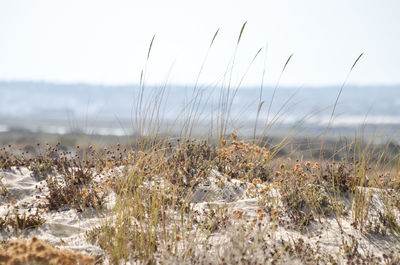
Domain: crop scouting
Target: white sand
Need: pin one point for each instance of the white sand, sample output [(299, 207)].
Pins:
[(64, 228)]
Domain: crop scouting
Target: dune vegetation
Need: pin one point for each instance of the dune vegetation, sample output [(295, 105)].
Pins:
[(169, 198)]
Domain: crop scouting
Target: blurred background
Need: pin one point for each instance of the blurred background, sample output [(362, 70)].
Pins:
[(78, 67)]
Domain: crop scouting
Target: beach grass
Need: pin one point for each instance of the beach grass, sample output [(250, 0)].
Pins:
[(222, 198)]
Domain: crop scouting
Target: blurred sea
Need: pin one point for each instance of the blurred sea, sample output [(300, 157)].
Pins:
[(111, 110)]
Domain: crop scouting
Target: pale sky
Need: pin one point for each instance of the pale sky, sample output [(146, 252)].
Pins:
[(106, 42)]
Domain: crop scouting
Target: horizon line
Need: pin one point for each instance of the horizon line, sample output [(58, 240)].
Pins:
[(114, 84)]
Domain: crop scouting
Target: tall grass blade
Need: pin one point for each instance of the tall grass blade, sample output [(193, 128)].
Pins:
[(151, 45), (337, 100), (213, 39), (260, 101), (287, 61), (277, 85), (241, 32), (355, 62), (341, 88)]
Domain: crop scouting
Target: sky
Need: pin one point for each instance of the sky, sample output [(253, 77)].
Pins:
[(106, 42)]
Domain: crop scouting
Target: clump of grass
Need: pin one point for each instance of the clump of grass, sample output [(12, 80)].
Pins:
[(190, 162), (20, 222), (73, 193), (305, 198), (7, 158), (148, 198), (241, 160)]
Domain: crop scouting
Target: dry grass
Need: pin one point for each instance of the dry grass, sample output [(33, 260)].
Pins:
[(36, 252)]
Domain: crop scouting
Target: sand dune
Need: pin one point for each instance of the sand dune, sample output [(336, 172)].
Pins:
[(25, 194)]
